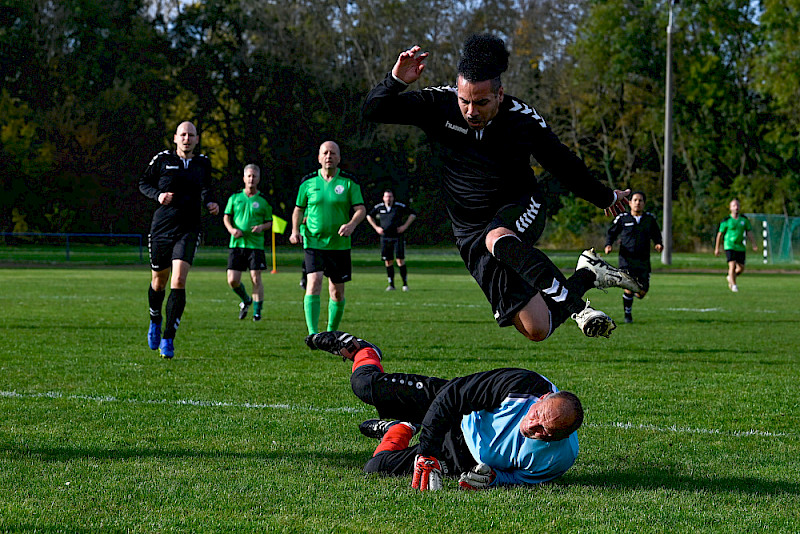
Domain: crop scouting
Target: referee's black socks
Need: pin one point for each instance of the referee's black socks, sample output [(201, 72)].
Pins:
[(155, 300), (390, 274), (176, 302)]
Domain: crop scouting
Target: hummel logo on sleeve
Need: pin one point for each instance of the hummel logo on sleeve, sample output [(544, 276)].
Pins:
[(527, 218), (441, 89), (525, 109)]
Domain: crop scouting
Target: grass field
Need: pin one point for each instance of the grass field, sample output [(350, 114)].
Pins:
[(692, 410)]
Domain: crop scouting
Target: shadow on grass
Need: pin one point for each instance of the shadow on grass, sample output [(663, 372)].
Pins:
[(337, 459), (647, 479), (654, 479)]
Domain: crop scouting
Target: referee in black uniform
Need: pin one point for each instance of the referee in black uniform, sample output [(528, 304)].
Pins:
[(180, 182), (635, 230), (485, 139), (392, 227)]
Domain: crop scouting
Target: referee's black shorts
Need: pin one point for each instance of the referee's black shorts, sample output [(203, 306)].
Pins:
[(642, 275), (164, 249), (393, 247)]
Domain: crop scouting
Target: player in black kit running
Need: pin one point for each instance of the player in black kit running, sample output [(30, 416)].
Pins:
[(180, 181), (635, 230), (485, 140), (391, 226)]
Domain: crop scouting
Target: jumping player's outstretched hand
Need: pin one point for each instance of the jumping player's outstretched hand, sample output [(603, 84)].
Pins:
[(620, 206), (410, 65)]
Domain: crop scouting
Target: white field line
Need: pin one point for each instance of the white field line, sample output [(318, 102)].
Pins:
[(299, 303), (365, 409), (711, 310), (179, 402), (685, 430)]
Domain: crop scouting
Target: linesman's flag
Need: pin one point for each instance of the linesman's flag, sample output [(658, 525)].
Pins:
[(278, 225)]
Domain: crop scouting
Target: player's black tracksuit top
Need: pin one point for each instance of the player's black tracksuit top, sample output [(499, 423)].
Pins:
[(483, 173), (392, 217), (480, 391), (634, 237), (191, 185)]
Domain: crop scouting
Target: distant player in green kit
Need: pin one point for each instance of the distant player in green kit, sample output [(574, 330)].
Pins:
[(248, 216), (332, 206), (734, 227)]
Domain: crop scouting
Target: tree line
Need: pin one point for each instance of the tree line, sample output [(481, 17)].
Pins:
[(92, 90)]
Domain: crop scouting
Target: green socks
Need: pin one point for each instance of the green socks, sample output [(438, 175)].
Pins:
[(311, 309), (242, 292), (335, 312)]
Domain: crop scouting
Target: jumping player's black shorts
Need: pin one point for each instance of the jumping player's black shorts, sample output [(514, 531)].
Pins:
[(735, 255), (165, 249), (335, 264), (242, 259), (393, 247), (506, 292)]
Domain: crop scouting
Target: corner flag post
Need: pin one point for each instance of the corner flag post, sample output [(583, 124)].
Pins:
[(278, 227)]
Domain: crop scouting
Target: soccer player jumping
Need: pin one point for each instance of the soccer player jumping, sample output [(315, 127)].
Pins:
[(485, 139)]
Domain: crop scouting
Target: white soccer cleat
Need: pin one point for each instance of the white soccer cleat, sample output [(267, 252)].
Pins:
[(734, 288), (594, 323), (605, 274)]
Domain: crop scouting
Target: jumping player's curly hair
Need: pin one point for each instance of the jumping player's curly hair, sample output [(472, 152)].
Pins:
[(484, 57)]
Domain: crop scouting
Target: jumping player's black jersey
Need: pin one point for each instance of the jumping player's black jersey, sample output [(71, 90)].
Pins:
[(189, 180), (391, 217), (485, 170), (634, 238)]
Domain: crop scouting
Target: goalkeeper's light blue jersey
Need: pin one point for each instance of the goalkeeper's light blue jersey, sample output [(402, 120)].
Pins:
[(493, 437)]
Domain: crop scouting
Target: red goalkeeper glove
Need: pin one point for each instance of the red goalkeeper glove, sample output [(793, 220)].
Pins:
[(427, 473), (479, 477)]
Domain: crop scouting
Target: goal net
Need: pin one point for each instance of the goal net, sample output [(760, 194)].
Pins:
[(780, 237)]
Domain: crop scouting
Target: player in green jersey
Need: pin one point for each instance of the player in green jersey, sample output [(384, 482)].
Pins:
[(331, 204), (733, 228), (248, 216)]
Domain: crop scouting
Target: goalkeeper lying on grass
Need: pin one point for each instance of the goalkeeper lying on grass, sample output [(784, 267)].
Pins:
[(499, 427)]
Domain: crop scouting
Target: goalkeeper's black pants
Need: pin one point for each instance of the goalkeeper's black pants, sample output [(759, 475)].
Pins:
[(406, 397)]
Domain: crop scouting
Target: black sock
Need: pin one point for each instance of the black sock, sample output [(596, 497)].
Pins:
[(176, 302), (627, 303), (580, 282), (533, 266), (390, 274), (404, 274), (155, 300)]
